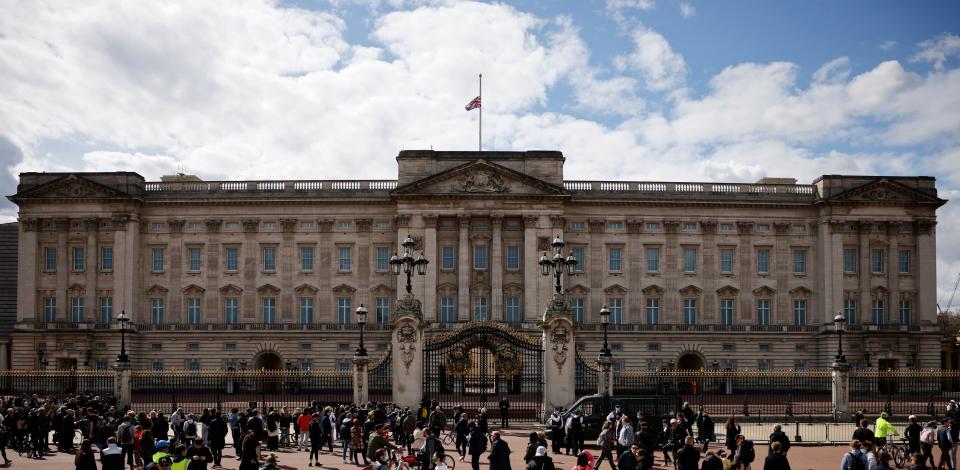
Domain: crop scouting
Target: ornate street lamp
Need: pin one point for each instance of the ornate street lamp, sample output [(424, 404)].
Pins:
[(362, 320), (838, 323), (605, 320), (407, 263), (122, 358), (558, 265)]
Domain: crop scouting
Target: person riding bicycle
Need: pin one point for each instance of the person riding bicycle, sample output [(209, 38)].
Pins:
[(883, 428)]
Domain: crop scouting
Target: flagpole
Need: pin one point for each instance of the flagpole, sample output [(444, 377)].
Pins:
[(480, 125)]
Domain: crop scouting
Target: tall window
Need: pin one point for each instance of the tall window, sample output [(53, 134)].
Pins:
[(513, 310), (653, 260), (306, 310), (383, 258), (231, 309), (49, 309), (447, 261), (269, 309), (690, 311), (513, 257), (233, 257), (577, 253), (76, 309), (616, 310), (156, 311), (876, 261), (50, 256), (480, 309), (613, 256), (800, 311), (269, 255), (194, 256), (158, 260), (878, 311), (799, 261), (726, 260), (383, 310), (850, 311), (480, 257), (906, 312), (193, 311), (306, 258), (106, 258), (849, 260), (763, 311), (689, 260), (343, 309), (79, 258), (763, 261), (653, 311), (345, 261), (726, 311), (903, 263), (576, 309), (106, 309), (448, 310)]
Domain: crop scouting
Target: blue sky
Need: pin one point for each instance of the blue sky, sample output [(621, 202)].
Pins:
[(627, 89)]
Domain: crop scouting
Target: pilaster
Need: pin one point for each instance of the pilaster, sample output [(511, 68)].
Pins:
[(361, 391), (463, 269), (407, 338), (530, 276), (496, 268), (559, 354), (433, 255), (28, 305)]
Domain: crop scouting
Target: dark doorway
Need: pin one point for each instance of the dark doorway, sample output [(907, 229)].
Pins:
[(689, 362), (265, 363)]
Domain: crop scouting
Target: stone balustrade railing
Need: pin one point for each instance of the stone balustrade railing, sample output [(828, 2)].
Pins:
[(648, 187), (268, 186)]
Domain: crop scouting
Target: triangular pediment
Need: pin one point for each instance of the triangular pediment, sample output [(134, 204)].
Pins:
[(70, 186), (479, 178), (885, 191), (728, 291)]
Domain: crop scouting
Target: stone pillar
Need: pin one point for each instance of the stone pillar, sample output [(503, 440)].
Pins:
[(433, 255), (407, 338), (925, 269), (27, 255), (121, 384), (841, 390), (463, 269), (496, 269), (605, 379), (864, 310), (893, 276), (361, 392), (531, 270), (559, 355), (91, 309)]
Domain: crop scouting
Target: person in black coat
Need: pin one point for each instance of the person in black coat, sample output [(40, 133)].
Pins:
[(732, 431), (647, 440), (630, 460), (863, 433), (688, 457), (540, 460), (477, 444), (777, 460), (945, 442), (912, 433), (217, 429), (711, 461), (781, 437), (499, 452), (326, 426), (705, 430)]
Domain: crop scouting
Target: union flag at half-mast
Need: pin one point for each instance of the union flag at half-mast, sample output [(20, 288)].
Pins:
[(473, 104)]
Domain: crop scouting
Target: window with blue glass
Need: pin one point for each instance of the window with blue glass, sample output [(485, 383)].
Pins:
[(690, 311), (49, 309), (193, 365), (726, 311), (306, 310), (345, 255), (50, 257), (480, 257), (800, 311), (193, 256), (157, 366), (306, 258), (879, 311), (231, 309), (513, 257), (653, 260), (876, 261), (448, 310), (906, 312), (193, 311), (689, 260), (106, 309), (799, 261), (156, 311), (763, 311), (106, 258), (480, 309), (616, 310), (383, 310), (76, 309), (102, 365), (343, 309), (513, 310), (268, 255), (576, 309), (233, 259), (850, 311), (269, 309), (383, 258), (79, 258), (763, 261), (726, 260), (157, 260), (343, 366), (653, 311), (447, 260), (849, 260), (578, 254), (903, 261), (613, 257)]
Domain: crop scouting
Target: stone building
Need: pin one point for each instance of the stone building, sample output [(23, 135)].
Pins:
[(219, 274)]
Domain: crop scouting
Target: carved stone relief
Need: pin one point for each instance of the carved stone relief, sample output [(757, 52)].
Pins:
[(481, 181)]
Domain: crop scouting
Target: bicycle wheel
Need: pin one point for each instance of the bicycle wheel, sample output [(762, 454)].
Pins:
[(450, 461), (448, 438), (899, 456)]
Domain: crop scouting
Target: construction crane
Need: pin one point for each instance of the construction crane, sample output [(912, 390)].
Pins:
[(952, 295)]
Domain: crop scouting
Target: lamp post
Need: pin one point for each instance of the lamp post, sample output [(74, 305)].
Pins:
[(362, 320), (408, 264), (605, 320), (838, 323), (122, 358), (605, 360), (558, 265)]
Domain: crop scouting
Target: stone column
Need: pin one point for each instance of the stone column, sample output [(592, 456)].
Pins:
[(91, 309), (747, 270), (362, 268), (559, 355), (710, 267), (605, 379), (287, 260), (326, 305), (782, 311), (121, 385), (361, 393), (841, 390), (63, 269), (496, 269), (531, 270), (671, 265), (176, 307), (433, 256), (596, 268), (27, 303), (407, 338), (635, 268), (893, 274), (463, 269), (864, 310)]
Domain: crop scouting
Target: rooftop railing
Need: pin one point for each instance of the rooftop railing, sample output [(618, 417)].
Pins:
[(691, 188), (268, 186)]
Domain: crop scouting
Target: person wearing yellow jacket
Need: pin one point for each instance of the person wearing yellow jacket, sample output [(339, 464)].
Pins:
[(882, 429)]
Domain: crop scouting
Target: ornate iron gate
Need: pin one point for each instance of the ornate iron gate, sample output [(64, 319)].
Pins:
[(479, 363)]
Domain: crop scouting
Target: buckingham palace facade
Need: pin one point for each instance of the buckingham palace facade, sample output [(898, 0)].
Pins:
[(268, 274)]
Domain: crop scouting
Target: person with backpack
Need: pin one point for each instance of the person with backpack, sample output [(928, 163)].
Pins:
[(780, 437), (540, 460), (273, 431), (477, 444), (190, 429), (431, 447), (346, 428), (605, 441), (745, 454), (928, 437), (126, 437), (855, 459)]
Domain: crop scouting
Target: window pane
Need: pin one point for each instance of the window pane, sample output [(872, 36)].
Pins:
[(878, 311), (383, 310), (726, 260), (616, 310), (269, 310), (689, 260), (513, 310), (850, 311), (763, 312), (76, 309), (383, 258), (51, 259), (448, 310), (232, 259), (577, 253), (194, 254), (306, 258), (306, 310), (800, 261), (849, 260), (156, 311), (193, 311), (904, 261), (653, 311), (726, 311), (269, 259), (800, 312), (763, 261), (50, 309), (345, 254), (480, 257), (106, 258), (106, 309), (480, 309), (576, 310), (158, 260), (876, 261), (446, 257), (79, 258), (343, 310), (690, 311), (906, 312), (230, 309), (513, 257), (614, 257), (653, 260)]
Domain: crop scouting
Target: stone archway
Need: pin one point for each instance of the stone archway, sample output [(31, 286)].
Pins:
[(267, 362), (689, 361)]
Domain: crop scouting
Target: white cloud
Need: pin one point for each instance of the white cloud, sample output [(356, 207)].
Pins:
[(887, 45), (837, 70), (938, 50), (687, 10), (652, 56), (620, 5)]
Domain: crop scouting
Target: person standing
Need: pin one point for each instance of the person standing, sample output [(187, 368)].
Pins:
[(504, 412), (883, 429), (705, 430), (438, 421), (777, 459), (199, 455), (606, 442), (250, 454), (461, 429), (780, 437), (928, 437), (111, 458), (218, 437), (625, 436), (477, 445), (945, 442), (732, 431), (499, 453), (745, 453), (126, 437), (863, 432), (912, 433), (855, 459), (315, 434), (688, 457), (556, 430)]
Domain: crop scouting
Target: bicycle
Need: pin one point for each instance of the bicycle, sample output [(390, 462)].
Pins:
[(898, 452), (449, 437)]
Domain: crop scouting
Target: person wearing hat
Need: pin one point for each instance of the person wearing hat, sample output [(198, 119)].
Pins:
[(378, 440), (180, 460), (882, 429), (540, 460), (163, 447), (164, 463), (199, 454), (912, 433)]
